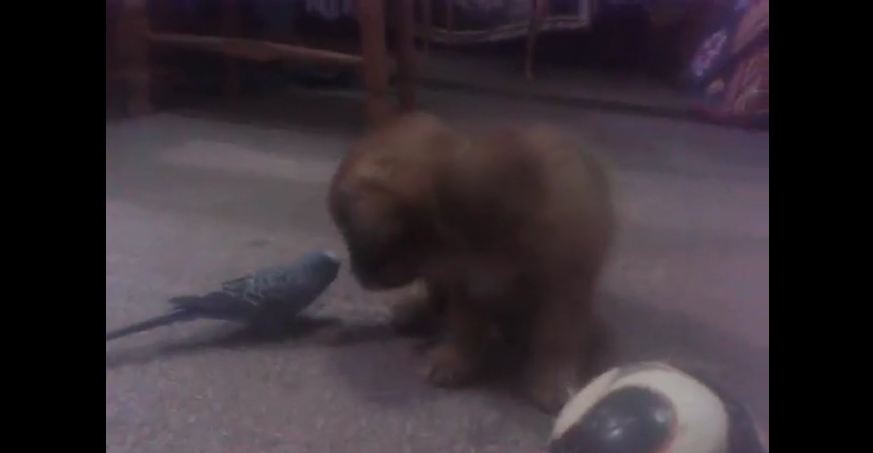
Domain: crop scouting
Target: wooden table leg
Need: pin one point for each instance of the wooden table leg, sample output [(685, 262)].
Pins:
[(406, 58), (371, 19), (132, 33)]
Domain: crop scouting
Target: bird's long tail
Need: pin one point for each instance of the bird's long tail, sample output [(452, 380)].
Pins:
[(175, 316)]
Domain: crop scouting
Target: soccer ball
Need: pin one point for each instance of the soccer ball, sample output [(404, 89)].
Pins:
[(650, 407)]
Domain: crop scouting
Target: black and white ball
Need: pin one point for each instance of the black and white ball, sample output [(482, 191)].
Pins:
[(646, 408)]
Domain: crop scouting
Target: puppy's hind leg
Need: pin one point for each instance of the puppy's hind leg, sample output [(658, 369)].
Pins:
[(561, 329)]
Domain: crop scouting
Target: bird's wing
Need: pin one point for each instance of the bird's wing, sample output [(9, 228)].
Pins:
[(217, 305), (274, 285), (286, 285)]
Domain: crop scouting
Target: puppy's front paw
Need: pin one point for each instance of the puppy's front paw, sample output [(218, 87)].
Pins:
[(449, 366), (413, 317), (550, 390)]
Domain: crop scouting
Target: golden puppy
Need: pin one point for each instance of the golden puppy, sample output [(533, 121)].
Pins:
[(508, 231)]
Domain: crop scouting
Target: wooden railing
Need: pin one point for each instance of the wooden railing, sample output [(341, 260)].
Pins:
[(134, 36)]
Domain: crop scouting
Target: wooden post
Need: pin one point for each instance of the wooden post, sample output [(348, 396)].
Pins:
[(406, 61), (427, 19), (230, 27), (371, 19), (133, 50), (112, 14), (450, 15), (539, 11)]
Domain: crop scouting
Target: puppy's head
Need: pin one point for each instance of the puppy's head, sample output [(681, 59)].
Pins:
[(381, 199), (386, 244)]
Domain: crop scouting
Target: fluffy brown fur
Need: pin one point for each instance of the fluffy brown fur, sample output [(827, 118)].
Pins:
[(508, 231)]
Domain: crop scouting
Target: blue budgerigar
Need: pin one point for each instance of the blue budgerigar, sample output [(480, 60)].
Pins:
[(266, 299)]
